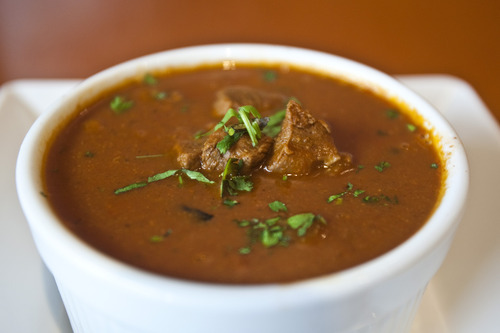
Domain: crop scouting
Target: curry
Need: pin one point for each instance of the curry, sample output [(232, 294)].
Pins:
[(248, 175)]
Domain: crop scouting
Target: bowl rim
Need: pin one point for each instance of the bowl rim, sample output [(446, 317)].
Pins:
[(44, 222)]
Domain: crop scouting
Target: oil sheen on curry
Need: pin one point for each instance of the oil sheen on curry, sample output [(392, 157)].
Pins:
[(248, 175)]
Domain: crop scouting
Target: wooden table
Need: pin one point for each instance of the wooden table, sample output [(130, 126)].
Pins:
[(74, 39)]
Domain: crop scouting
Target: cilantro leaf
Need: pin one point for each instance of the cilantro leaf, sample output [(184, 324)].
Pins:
[(228, 141), (161, 176), (392, 114), (274, 125), (130, 187), (149, 79), (232, 182), (230, 203), (301, 222), (241, 183), (119, 105), (382, 166), (195, 175), (277, 206)]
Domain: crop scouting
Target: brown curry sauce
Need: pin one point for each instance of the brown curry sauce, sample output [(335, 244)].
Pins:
[(181, 228)]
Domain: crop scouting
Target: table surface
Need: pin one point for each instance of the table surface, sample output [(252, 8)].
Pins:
[(74, 39)]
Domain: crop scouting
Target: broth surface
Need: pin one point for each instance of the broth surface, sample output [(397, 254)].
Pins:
[(182, 228)]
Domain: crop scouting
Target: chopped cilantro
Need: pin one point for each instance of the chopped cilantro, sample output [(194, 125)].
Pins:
[(434, 165), (411, 127), (277, 206), (120, 105), (245, 250), (357, 193), (392, 114), (301, 222), (271, 236), (149, 79), (382, 166), (160, 95), (275, 230), (156, 239), (230, 203), (228, 141), (232, 182), (270, 75), (130, 187), (195, 175), (239, 183), (274, 124), (268, 232), (160, 238), (251, 127), (161, 176), (382, 198), (340, 195)]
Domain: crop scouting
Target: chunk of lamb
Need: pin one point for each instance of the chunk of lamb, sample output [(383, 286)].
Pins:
[(304, 144), (253, 157), (236, 96), (188, 154)]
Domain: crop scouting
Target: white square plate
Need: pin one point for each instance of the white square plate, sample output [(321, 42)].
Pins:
[(463, 297)]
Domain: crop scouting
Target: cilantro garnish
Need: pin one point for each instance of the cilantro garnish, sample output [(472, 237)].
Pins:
[(270, 75), (230, 203), (245, 250), (120, 105), (245, 125), (341, 194), (358, 193), (160, 238), (277, 206), (195, 175), (232, 182), (411, 127), (228, 141), (301, 222), (276, 230), (160, 95), (149, 79), (266, 232), (130, 187), (382, 166), (274, 124), (392, 114), (382, 198)]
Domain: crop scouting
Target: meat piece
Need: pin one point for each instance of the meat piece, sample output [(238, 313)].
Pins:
[(188, 154), (236, 96), (253, 157), (304, 144)]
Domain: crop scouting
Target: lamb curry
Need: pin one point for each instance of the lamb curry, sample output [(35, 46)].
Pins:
[(248, 175)]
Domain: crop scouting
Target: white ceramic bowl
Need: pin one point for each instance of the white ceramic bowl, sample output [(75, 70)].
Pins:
[(104, 295)]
